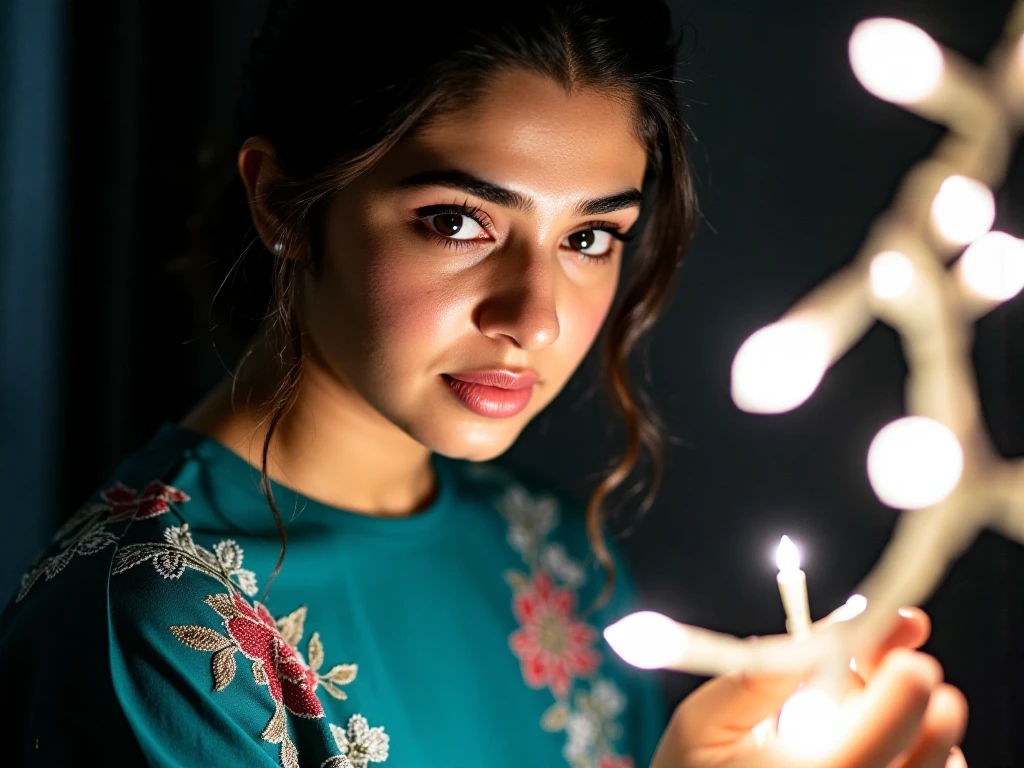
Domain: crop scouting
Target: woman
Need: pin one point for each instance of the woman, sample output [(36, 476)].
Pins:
[(441, 197)]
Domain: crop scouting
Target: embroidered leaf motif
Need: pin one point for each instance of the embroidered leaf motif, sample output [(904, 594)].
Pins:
[(169, 564), (55, 564), (28, 580), (86, 513), (277, 728), (316, 652), (223, 668), (291, 626), (93, 541), (338, 761), (259, 674), (289, 755), (517, 579), (333, 690), (246, 581), (556, 717), (342, 674), (179, 537), (201, 638), (224, 605), (229, 554), (131, 556)]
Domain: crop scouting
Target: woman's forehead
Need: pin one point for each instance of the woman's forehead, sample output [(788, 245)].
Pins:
[(528, 133)]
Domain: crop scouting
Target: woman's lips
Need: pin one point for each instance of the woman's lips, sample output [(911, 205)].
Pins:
[(498, 394)]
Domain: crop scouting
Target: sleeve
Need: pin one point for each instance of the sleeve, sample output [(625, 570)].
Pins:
[(645, 718), (187, 690), (61, 707)]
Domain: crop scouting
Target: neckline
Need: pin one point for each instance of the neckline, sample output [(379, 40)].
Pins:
[(297, 508)]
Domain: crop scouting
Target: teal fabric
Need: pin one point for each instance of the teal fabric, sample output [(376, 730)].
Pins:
[(453, 637)]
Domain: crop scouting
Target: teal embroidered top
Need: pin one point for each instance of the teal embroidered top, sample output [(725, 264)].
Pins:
[(452, 637)]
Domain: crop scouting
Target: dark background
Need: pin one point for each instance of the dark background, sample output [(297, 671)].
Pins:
[(103, 109)]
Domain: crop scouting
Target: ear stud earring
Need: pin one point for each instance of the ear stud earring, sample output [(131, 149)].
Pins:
[(278, 247)]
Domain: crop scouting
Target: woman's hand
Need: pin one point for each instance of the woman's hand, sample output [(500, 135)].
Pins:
[(908, 718)]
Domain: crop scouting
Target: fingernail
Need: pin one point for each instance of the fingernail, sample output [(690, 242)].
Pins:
[(906, 613)]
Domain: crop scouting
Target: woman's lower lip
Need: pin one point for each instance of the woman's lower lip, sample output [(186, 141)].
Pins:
[(489, 401)]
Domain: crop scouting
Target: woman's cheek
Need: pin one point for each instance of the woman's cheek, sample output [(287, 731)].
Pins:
[(414, 313)]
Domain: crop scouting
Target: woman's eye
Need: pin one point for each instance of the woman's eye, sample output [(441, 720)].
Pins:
[(592, 242), (455, 226)]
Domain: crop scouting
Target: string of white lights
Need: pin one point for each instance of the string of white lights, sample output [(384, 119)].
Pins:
[(938, 463)]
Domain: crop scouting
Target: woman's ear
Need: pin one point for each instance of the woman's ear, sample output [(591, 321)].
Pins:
[(257, 165)]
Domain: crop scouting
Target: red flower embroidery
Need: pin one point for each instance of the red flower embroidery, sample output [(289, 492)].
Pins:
[(291, 681), (125, 502), (615, 761), (552, 647)]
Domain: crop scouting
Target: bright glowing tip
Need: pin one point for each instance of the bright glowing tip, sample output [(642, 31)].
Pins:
[(914, 462), (993, 266), (780, 366), (963, 209), (891, 274), (809, 724), (895, 60), (787, 556), (647, 639)]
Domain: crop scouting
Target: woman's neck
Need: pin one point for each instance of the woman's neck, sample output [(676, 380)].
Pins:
[(331, 446)]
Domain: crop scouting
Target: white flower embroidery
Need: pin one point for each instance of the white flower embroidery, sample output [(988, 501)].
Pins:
[(559, 564), (361, 744), (592, 723), (181, 551), (530, 520)]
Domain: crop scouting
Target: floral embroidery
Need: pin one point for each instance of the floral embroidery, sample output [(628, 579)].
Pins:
[(529, 520), (555, 649), (593, 721), (85, 533), (179, 552), (552, 646), (125, 502), (361, 744), (271, 645)]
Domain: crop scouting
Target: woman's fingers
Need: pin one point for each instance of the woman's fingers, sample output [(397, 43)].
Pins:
[(911, 630), (956, 759), (723, 709), (942, 729), (888, 713)]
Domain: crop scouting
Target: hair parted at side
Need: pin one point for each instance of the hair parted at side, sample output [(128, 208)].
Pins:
[(333, 86)]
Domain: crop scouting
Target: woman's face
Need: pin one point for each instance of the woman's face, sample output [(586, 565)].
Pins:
[(482, 243)]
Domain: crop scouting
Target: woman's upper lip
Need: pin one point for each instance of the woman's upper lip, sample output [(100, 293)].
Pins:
[(503, 378)]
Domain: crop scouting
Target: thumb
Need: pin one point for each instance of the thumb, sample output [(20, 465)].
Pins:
[(726, 708)]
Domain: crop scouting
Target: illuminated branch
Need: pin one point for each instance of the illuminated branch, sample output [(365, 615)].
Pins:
[(938, 463)]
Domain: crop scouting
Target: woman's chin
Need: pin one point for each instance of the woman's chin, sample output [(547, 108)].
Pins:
[(475, 442)]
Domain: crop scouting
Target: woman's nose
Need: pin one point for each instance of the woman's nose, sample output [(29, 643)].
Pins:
[(521, 302)]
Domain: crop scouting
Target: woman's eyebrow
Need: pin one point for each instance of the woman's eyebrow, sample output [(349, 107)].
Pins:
[(508, 198)]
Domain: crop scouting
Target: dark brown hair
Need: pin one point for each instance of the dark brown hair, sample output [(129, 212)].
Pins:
[(334, 86)]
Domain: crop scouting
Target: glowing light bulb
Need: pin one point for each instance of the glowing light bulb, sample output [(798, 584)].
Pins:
[(809, 724), (787, 557), (914, 462), (891, 274), (647, 639), (963, 209), (993, 266), (780, 366), (895, 60)]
